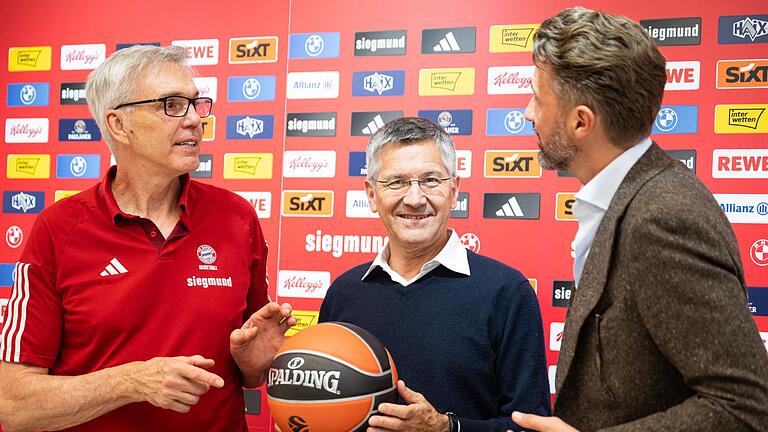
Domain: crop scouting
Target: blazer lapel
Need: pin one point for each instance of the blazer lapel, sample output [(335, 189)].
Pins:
[(598, 263)]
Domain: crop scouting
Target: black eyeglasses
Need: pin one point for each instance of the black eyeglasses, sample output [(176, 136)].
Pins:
[(402, 184), (177, 106)]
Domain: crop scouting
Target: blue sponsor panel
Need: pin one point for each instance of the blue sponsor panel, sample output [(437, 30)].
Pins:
[(6, 274), (357, 166), (78, 130), (251, 88), (455, 122), (128, 45), (758, 300), (314, 45), (677, 119), (250, 126), (69, 166), (28, 94), (742, 29), (506, 122), (378, 83), (23, 201)]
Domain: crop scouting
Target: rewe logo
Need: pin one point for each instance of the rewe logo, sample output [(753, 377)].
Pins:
[(740, 163), (200, 52), (113, 268), (260, 201), (683, 75)]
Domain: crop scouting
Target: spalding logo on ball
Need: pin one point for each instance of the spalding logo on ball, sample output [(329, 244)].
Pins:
[(330, 377)]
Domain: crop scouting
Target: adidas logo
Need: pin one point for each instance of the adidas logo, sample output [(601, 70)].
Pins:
[(114, 267), (510, 209), (447, 44), (373, 125)]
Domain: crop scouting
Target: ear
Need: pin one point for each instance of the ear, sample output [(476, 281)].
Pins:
[(455, 190), (369, 192), (582, 121), (117, 126)]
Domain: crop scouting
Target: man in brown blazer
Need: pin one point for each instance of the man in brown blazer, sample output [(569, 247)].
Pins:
[(658, 336)]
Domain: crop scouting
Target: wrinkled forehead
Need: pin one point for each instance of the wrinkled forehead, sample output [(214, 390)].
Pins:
[(167, 79)]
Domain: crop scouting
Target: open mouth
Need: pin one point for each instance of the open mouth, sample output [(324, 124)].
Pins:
[(186, 143), (414, 217)]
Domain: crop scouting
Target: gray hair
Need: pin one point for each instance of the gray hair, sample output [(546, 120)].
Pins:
[(406, 131), (115, 80), (608, 63)]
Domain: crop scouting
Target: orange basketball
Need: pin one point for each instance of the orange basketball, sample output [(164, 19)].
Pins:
[(330, 377)]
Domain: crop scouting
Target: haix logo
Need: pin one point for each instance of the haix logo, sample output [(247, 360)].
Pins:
[(511, 205), (23, 202), (683, 75), (339, 244), (674, 31), (470, 241), (367, 123), (250, 127), (455, 122), (311, 124), (512, 163), (73, 94), (303, 284), (507, 122), (744, 208), (677, 119), (307, 203), (312, 85), (27, 94), (448, 40), (740, 163), (742, 29), (746, 118), (37, 58), (248, 165), (447, 82), (510, 79), (309, 164), (374, 83), (314, 45), (294, 375), (257, 49), (207, 87), (759, 252), (79, 57), (380, 43), (200, 52), (26, 130), (750, 73), (251, 88), (512, 38)]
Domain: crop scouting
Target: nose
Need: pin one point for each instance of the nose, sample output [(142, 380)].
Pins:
[(414, 196), (192, 119), (530, 110)]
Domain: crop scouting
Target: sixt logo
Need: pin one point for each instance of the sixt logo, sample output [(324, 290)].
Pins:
[(751, 73), (257, 49), (512, 163), (307, 203), (23, 202), (564, 206), (742, 29), (374, 83), (250, 127)]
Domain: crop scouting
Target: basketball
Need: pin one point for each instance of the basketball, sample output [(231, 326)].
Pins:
[(330, 377)]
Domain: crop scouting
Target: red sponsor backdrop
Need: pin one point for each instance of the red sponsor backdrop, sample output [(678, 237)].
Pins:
[(540, 248)]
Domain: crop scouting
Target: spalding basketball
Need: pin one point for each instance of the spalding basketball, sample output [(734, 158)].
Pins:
[(330, 377)]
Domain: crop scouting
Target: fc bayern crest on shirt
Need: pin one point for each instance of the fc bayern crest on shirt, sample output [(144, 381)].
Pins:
[(207, 255)]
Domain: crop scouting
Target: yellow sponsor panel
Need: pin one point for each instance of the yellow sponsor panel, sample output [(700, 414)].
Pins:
[(741, 119), (512, 163), (24, 59), (209, 127), (304, 319), (447, 82), (260, 49), (28, 166), (307, 203), (61, 194), (512, 38), (248, 166), (534, 284), (564, 206)]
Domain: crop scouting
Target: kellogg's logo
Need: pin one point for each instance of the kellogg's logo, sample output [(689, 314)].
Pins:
[(303, 284), (26, 130), (79, 57), (510, 79), (309, 164)]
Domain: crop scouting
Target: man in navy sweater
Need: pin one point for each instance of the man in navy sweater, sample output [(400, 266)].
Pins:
[(464, 330)]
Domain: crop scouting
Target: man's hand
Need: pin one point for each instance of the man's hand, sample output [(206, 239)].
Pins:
[(419, 415), (174, 383), (253, 346), (541, 424)]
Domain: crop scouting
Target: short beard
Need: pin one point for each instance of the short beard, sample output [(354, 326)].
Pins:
[(559, 152)]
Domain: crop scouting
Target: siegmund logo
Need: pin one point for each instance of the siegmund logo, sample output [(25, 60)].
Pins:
[(380, 43), (205, 169), (674, 31), (686, 157), (562, 291), (511, 205), (311, 124), (448, 40), (73, 94), (461, 209)]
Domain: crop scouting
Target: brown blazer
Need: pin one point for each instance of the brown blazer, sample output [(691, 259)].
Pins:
[(658, 336)]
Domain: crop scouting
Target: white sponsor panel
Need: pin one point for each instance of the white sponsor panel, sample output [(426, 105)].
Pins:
[(313, 85), (26, 130), (464, 163), (358, 205), (740, 163), (82, 57), (308, 164), (764, 337), (303, 284), (208, 86), (683, 75), (552, 372), (744, 208), (200, 52), (556, 335), (510, 79), (260, 201)]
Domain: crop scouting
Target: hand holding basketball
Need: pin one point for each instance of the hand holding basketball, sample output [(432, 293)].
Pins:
[(418, 415)]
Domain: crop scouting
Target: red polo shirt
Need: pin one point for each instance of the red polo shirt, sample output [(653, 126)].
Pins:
[(96, 288)]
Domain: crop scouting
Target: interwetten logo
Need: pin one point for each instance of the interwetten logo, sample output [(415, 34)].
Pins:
[(511, 205), (78, 130), (312, 85), (512, 163), (304, 319), (260, 201), (506, 122), (26, 130), (257, 49), (448, 40), (303, 284), (512, 38), (85, 166), (250, 127), (28, 166), (73, 94), (447, 82), (200, 52), (683, 75), (564, 206), (82, 57), (740, 163), (339, 244), (510, 79), (313, 45), (207, 86), (23, 201), (251, 88), (309, 164), (358, 205), (747, 118), (686, 157), (35, 58), (367, 123), (61, 194), (742, 29), (380, 43), (674, 31), (677, 119), (310, 124), (28, 94), (205, 169), (742, 74), (461, 209), (357, 165), (248, 166), (378, 83), (455, 122), (744, 208), (307, 203)]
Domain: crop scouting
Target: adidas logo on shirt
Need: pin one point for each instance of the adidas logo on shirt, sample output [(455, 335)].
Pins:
[(114, 267)]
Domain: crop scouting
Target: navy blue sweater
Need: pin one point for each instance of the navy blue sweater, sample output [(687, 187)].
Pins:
[(472, 345)]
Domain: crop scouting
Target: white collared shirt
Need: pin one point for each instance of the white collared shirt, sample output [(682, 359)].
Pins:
[(453, 256), (593, 199)]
